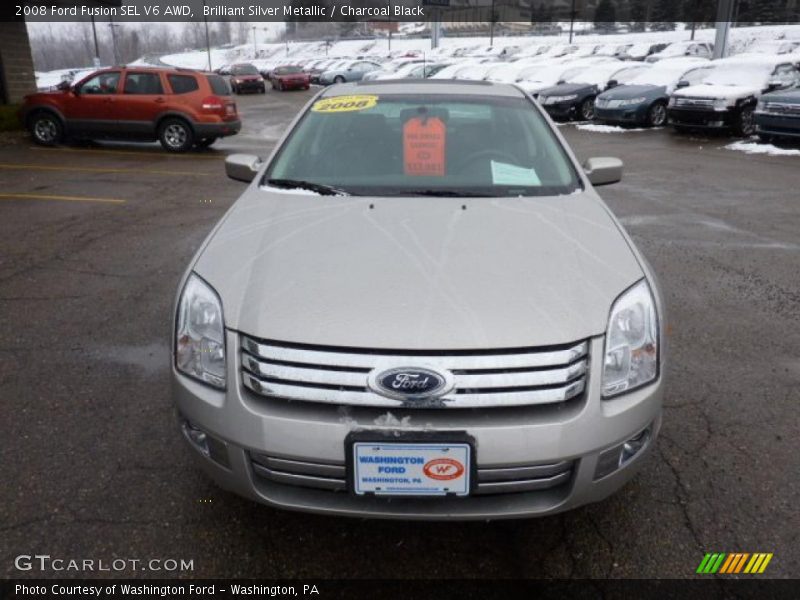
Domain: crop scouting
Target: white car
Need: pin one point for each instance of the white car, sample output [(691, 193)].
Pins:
[(697, 49), (536, 78)]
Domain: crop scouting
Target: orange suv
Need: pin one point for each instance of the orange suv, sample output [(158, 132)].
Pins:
[(178, 107)]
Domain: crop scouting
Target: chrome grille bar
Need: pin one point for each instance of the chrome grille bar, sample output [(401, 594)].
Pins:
[(494, 378)]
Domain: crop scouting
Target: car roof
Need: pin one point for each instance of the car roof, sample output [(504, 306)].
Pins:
[(425, 86), (754, 59)]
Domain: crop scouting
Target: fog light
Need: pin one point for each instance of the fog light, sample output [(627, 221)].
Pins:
[(197, 437), (618, 456)]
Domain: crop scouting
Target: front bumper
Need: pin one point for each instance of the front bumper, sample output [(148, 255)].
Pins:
[(219, 129), (255, 85), (628, 114), (778, 125), (243, 424), (701, 119), (562, 110), (294, 84)]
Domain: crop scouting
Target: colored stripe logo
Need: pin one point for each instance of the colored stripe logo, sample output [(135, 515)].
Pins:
[(734, 562)]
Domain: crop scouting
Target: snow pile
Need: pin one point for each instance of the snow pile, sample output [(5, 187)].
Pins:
[(751, 147), (606, 128)]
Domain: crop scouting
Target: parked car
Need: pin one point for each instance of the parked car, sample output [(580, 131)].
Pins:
[(246, 78), (349, 363), (178, 107), (676, 49), (350, 71), (414, 70), (643, 100), (315, 71), (537, 78), (727, 97), (778, 115), (290, 77), (575, 98), (389, 69), (640, 51), (773, 47)]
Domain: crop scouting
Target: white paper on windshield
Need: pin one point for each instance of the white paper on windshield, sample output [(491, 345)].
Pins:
[(506, 174)]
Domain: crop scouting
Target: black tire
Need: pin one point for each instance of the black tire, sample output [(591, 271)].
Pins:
[(206, 142), (586, 109), (338, 79), (745, 122), (280, 86), (657, 114), (175, 135), (46, 128)]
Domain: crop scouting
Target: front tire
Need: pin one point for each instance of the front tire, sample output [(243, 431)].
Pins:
[(338, 79), (657, 114), (745, 122), (586, 109), (175, 135), (46, 129)]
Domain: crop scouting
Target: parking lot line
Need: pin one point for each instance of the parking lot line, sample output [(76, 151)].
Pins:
[(25, 196), (154, 154), (100, 170)]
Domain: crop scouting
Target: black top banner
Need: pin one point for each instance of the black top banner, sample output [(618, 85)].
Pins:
[(521, 11)]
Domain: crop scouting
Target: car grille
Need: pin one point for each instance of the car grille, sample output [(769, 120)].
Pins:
[(514, 377), (333, 476), (782, 108), (695, 102)]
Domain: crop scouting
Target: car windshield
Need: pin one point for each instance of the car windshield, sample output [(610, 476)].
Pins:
[(676, 49), (740, 74), (424, 144), (603, 73), (288, 70), (244, 70)]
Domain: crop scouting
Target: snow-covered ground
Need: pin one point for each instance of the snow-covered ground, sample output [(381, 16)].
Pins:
[(597, 128), (753, 147)]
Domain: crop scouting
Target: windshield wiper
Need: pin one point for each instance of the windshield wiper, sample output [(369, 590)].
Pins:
[(299, 184), (441, 193)]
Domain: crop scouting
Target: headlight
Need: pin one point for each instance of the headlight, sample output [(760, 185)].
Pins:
[(761, 105), (632, 101), (558, 99), (672, 101), (721, 103), (200, 333), (631, 346)]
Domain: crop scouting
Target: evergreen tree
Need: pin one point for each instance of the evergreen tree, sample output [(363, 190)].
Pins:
[(638, 15), (664, 14), (605, 15)]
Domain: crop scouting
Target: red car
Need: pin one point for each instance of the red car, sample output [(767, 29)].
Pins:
[(246, 78), (178, 107), (290, 77)]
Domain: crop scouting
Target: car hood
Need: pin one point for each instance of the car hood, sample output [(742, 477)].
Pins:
[(625, 92), (567, 88), (417, 273), (791, 96), (717, 91)]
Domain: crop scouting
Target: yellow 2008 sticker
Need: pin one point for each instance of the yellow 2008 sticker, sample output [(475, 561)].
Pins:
[(344, 104)]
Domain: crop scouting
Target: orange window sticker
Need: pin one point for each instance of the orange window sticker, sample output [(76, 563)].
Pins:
[(424, 146)]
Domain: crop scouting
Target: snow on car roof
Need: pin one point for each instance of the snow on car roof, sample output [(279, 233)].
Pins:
[(424, 86)]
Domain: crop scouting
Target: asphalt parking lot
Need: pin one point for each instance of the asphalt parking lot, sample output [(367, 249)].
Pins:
[(93, 240)]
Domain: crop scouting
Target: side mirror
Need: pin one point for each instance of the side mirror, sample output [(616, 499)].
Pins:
[(242, 167), (682, 84), (603, 170), (612, 84)]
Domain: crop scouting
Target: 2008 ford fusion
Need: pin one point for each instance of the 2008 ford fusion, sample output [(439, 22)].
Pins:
[(420, 308)]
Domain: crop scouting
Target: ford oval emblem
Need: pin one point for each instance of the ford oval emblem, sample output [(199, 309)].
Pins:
[(413, 383)]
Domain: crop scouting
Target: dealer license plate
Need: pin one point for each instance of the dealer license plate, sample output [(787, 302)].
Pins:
[(397, 469)]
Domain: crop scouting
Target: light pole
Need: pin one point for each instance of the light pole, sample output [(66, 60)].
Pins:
[(255, 51), (113, 27), (571, 21), (208, 43), (96, 45), (491, 26)]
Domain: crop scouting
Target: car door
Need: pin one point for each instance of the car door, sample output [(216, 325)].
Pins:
[(143, 100), (91, 106)]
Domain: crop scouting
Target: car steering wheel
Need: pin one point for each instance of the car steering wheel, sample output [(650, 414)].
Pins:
[(469, 162)]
